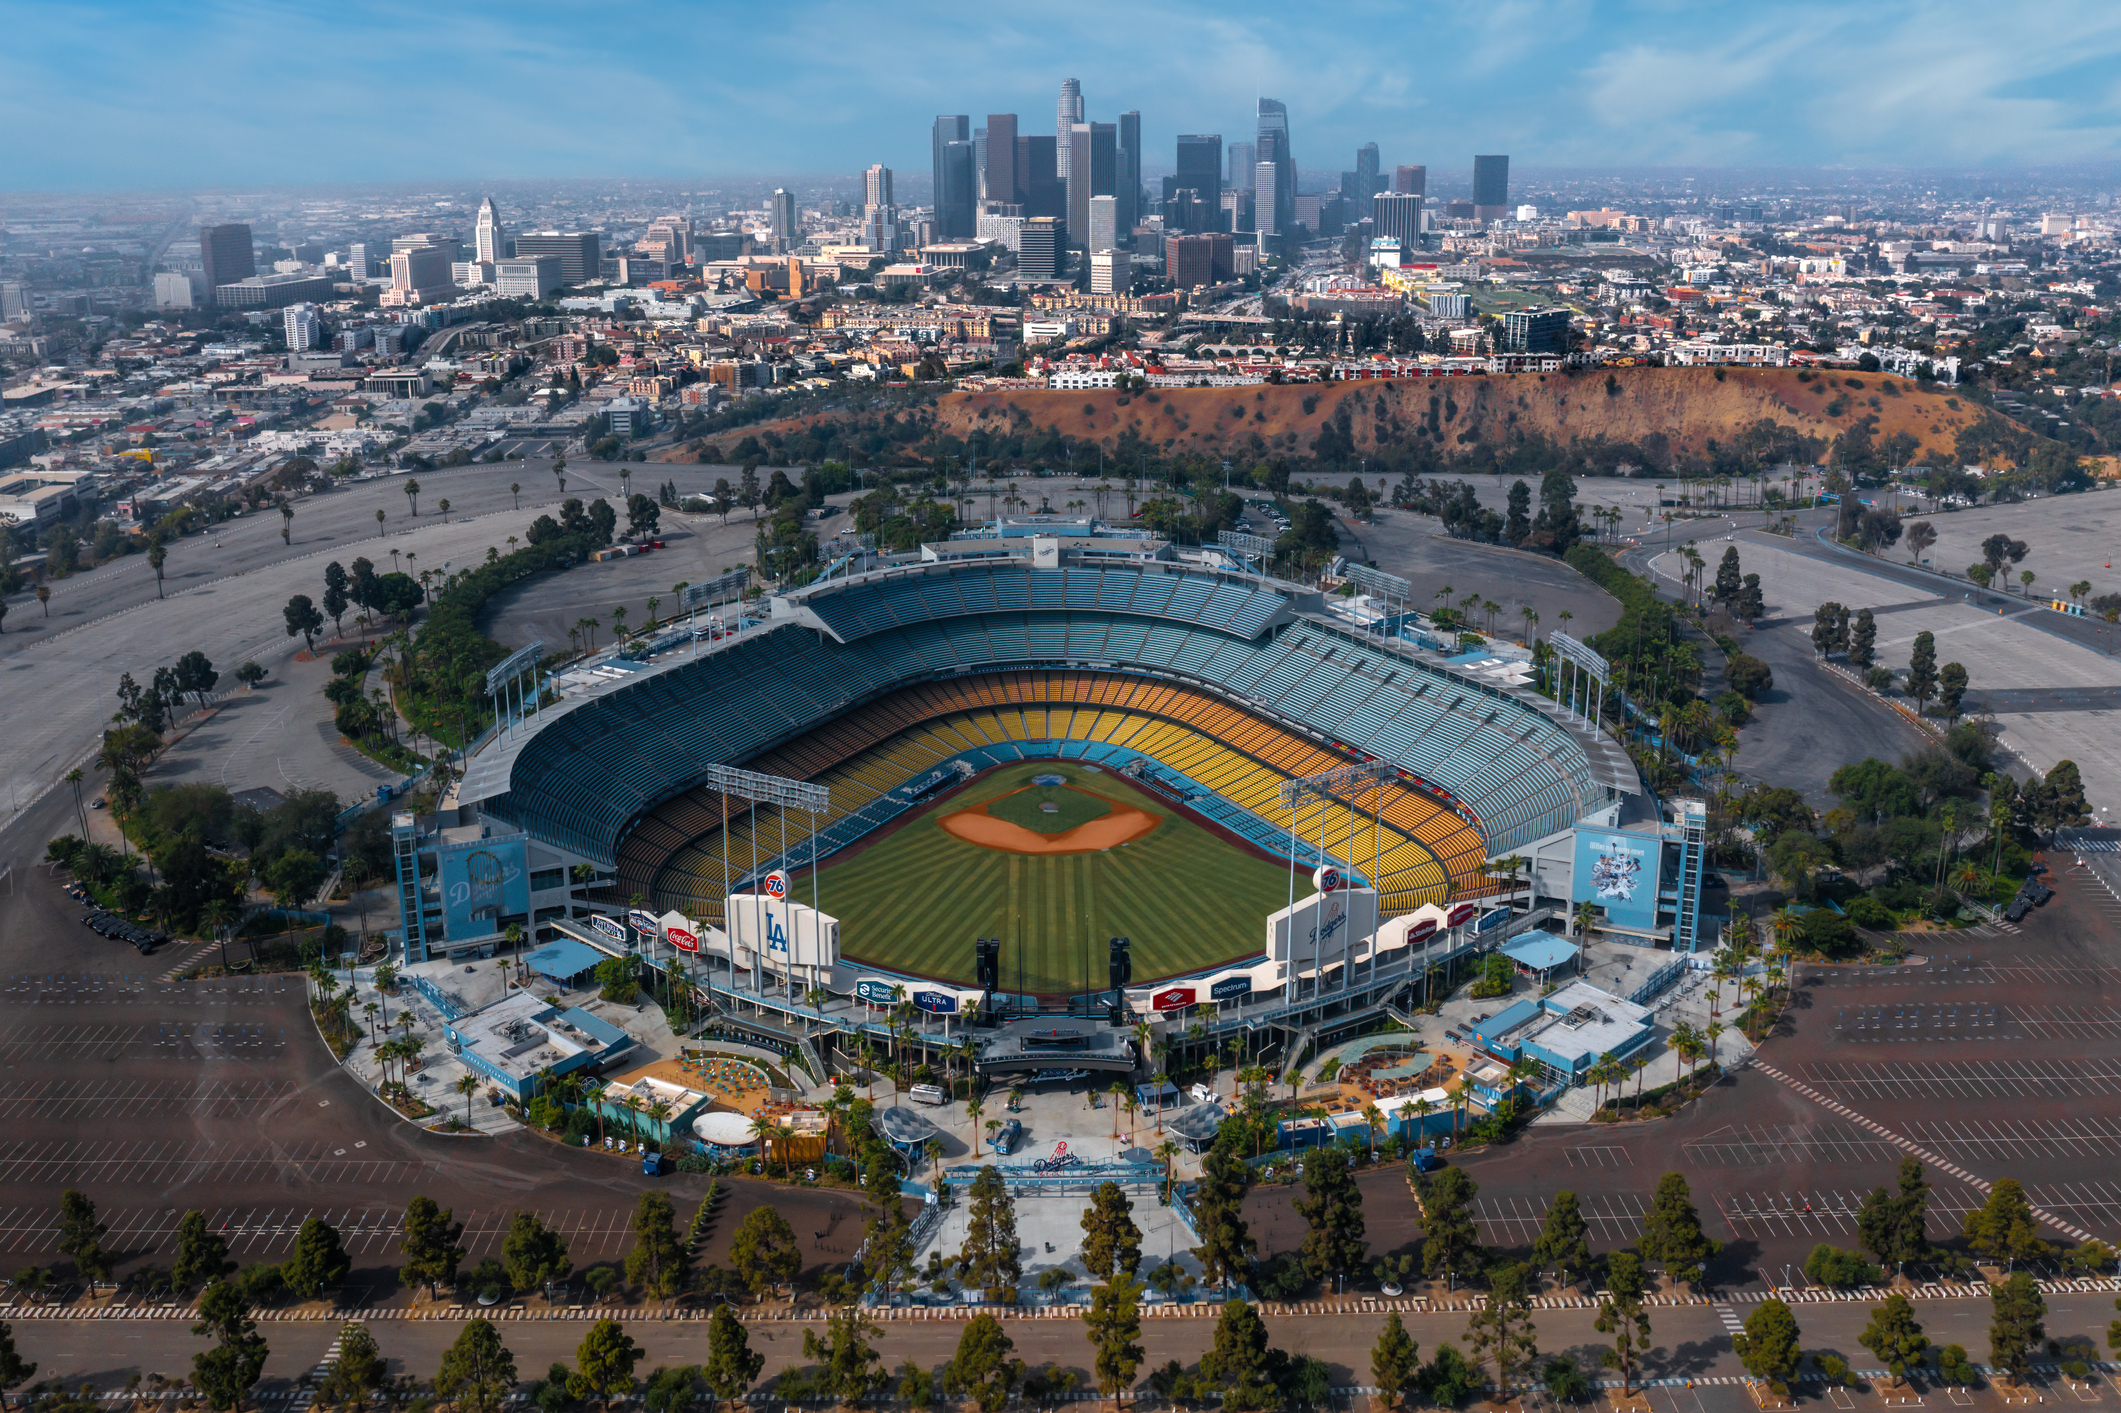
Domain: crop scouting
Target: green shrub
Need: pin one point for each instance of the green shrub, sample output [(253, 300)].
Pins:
[(1831, 1266), (1870, 913)]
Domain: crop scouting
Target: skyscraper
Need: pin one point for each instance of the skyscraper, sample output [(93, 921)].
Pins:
[(1398, 215), (1491, 188), (947, 128), (1092, 167), (1200, 163), (876, 186), (487, 240), (783, 212), (1410, 181), (1066, 114), (226, 256), (1274, 147), (1102, 233), (1365, 171), (305, 329), (979, 164), (1002, 183), (1243, 156), (1039, 248), (1038, 174), (1127, 178), (1266, 202), (956, 197)]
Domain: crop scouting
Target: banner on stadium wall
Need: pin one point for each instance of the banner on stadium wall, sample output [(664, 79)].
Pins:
[(1617, 871), (1172, 998)]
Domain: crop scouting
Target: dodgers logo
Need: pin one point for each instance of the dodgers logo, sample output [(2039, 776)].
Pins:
[(776, 936)]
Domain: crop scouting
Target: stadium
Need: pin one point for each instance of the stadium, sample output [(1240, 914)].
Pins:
[(1053, 754)]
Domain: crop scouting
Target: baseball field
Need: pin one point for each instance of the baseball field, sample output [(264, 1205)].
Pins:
[(1071, 855)]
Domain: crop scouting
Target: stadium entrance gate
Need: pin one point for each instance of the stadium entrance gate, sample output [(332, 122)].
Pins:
[(1046, 1178)]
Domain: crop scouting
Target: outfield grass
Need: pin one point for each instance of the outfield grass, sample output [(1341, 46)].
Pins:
[(915, 901)]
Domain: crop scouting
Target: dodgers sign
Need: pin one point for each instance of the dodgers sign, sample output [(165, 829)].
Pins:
[(873, 992), (610, 927), (936, 1003), (1171, 998)]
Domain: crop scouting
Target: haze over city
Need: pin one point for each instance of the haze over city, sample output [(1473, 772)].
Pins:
[(1333, 709)]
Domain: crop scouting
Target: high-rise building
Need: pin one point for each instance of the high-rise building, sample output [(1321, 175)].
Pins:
[(1038, 176), (1535, 331), (1242, 159), (1111, 271), (999, 177), (1127, 166), (979, 164), (1491, 188), (947, 128), (359, 261), (1039, 248), (488, 236), (1066, 114), (1266, 199), (782, 213), (1200, 163), (226, 255), (305, 327), (1102, 232), (174, 289), (531, 277), (1189, 261), (1396, 215), (421, 272), (1274, 147), (1410, 181), (956, 197), (1092, 169), (669, 240), (876, 186), (1365, 171), (581, 252)]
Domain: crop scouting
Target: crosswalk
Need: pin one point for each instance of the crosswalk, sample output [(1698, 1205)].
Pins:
[(1731, 1323)]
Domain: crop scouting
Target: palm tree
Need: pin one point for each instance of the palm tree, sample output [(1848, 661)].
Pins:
[(467, 1086), (1166, 1151), (1586, 918), (1118, 1091), (816, 997), (515, 490), (973, 1111), (1374, 1117), (412, 496)]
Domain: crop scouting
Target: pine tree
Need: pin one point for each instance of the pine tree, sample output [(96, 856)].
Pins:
[(2004, 1228), (657, 1261), (1921, 680), (1225, 1250), (534, 1253), (1239, 1362), (989, 1258), (1111, 1241), (852, 1367), (1451, 1243), (1565, 1242), (14, 1369), (1395, 1361), (1863, 640), (1332, 1205), (358, 1369), (731, 1367), (477, 1370), (763, 1251), (1672, 1235), (1751, 602), (430, 1245), (604, 1362), (81, 1235), (1623, 1315), (1824, 618), (1894, 1337), (1729, 580), (1951, 688), (202, 1253), (2017, 1324), (1501, 1329), (1769, 1346), (226, 1371), (984, 1368), (1891, 1227), (319, 1260), (1114, 1328), (1518, 522)]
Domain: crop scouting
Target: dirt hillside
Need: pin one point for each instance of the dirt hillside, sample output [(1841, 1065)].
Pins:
[(1688, 406)]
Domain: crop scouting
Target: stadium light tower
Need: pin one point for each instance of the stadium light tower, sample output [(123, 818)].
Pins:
[(784, 794), (1326, 786)]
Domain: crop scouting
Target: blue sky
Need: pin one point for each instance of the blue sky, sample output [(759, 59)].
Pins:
[(245, 93)]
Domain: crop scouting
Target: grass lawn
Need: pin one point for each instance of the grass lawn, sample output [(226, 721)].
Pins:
[(1187, 898)]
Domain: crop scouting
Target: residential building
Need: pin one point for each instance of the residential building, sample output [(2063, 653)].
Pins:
[(1111, 271), (1535, 331), (1092, 168), (487, 235), (998, 173), (1066, 114), (580, 252), (1041, 245), (226, 255), (305, 328), (1491, 188), (527, 277), (952, 180), (783, 220)]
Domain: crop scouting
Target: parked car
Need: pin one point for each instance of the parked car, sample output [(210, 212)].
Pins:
[(1010, 1135)]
